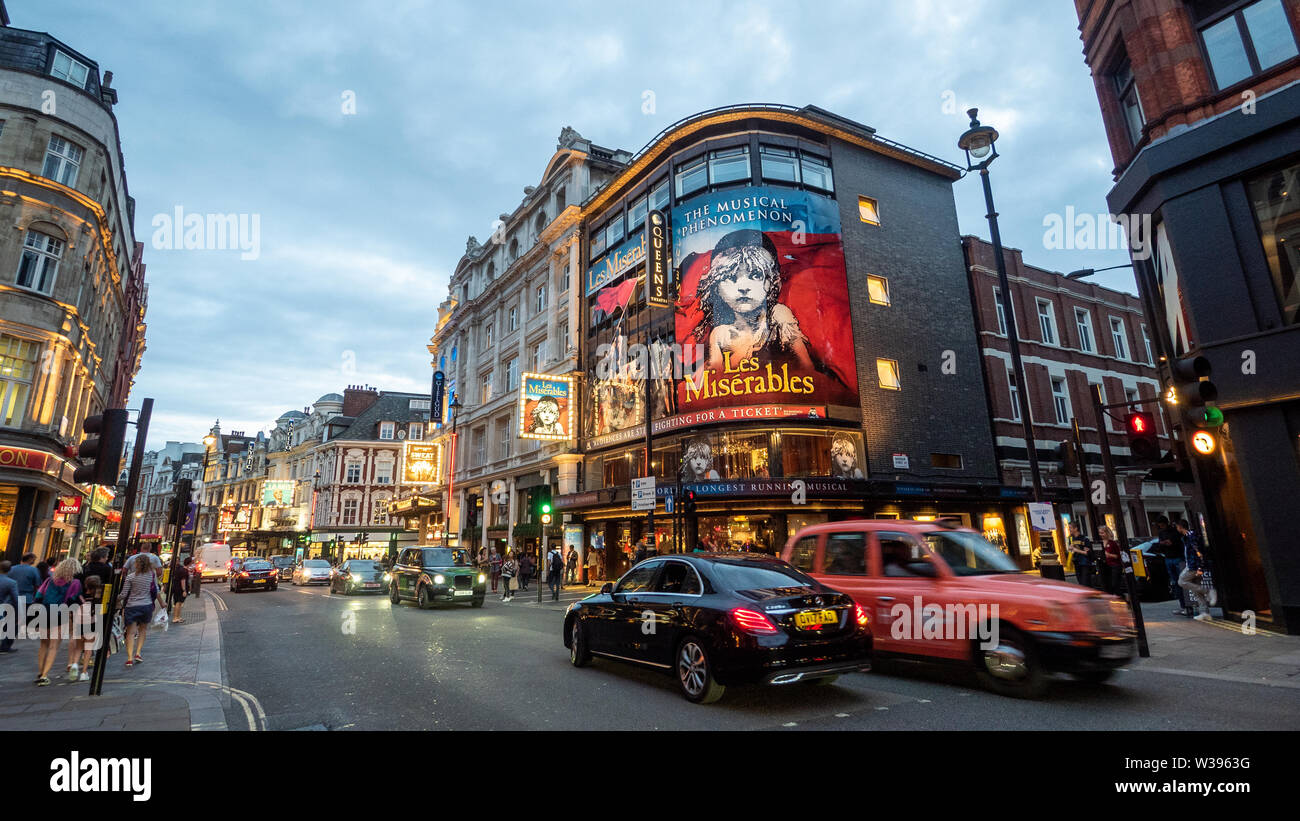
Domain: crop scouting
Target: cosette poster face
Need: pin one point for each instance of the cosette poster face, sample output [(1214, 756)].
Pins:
[(764, 300), (545, 407)]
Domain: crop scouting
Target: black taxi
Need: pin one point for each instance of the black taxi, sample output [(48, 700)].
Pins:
[(436, 575)]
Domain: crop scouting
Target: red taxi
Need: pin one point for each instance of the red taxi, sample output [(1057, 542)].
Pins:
[(943, 593)]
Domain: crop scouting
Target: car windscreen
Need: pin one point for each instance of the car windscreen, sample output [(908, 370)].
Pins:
[(445, 557), (315, 563), (969, 554), (361, 567), (259, 564), (282, 561), (742, 575)]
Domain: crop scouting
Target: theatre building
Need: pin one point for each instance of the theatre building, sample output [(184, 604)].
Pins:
[(808, 334)]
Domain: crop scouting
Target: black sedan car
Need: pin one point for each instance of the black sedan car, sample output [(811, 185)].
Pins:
[(717, 619), (283, 567), (253, 574), (359, 576)]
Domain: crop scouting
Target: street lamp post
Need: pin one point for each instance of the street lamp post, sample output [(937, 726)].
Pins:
[(454, 407), (208, 442), (980, 144)]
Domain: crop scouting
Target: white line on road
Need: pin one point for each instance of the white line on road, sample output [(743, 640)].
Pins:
[(1290, 685)]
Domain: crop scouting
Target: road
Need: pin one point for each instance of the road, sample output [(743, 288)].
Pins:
[(323, 662)]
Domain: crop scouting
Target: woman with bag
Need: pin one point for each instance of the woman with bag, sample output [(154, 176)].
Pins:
[(494, 567), (139, 594), (1113, 572), (56, 595), (509, 584)]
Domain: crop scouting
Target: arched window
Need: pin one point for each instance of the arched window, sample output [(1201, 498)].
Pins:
[(540, 222), (514, 249)]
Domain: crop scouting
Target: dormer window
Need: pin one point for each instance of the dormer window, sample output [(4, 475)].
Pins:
[(387, 430), (69, 70)]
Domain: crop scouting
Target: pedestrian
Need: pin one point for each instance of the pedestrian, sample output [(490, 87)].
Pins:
[(27, 577), (56, 595), (43, 568), (526, 569), (494, 567), (509, 569), (1113, 572), (1169, 544), (1079, 551), (196, 580), (555, 572), (571, 564), (641, 552), (180, 586), (1192, 577), (85, 629), (9, 599), (482, 560), (97, 566), (139, 596), (591, 566)]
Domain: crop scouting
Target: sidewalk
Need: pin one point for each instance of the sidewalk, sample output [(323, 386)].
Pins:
[(1217, 649), (178, 686)]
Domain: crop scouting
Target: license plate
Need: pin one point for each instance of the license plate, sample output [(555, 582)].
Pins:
[(372, 584), (464, 592), (259, 581), (1116, 651), (814, 619)]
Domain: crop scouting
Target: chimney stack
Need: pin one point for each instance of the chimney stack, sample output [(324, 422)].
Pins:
[(357, 400)]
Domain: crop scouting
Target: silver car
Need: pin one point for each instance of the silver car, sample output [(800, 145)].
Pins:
[(312, 571)]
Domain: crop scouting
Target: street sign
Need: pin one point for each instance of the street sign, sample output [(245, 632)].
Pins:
[(643, 493), (901, 462), (1040, 516)]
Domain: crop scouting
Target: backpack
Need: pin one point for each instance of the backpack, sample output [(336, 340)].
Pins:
[(51, 593), (557, 564)]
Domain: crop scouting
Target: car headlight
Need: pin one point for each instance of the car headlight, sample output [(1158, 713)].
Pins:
[(438, 579), (482, 577), (388, 577)]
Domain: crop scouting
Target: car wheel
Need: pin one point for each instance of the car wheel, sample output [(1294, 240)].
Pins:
[(392, 594), (478, 602), (579, 653), (1013, 667), (1094, 676), (422, 598), (695, 674)]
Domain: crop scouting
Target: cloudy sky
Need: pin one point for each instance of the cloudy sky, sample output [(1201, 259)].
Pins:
[(236, 107)]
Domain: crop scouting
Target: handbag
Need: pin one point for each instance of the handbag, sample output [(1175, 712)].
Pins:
[(514, 583), (117, 635)]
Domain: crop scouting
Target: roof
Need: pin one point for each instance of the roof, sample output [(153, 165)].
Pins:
[(330, 397), (389, 407)]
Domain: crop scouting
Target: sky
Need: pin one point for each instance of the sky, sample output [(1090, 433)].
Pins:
[(237, 107)]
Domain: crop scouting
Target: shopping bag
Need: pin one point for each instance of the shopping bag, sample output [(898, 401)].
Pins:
[(117, 635)]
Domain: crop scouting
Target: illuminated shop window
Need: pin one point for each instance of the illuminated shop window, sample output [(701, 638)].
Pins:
[(877, 290), (868, 211), (887, 374)]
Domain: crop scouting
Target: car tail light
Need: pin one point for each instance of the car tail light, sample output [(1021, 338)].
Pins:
[(753, 622), (243, 574), (201, 565), (861, 615)]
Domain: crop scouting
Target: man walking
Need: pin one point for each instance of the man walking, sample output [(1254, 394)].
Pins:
[(1193, 573), (555, 572), (1079, 552), (27, 577), (9, 599), (1169, 543)]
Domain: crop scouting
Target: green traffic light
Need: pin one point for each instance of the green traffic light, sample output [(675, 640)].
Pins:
[(546, 508), (1208, 417)]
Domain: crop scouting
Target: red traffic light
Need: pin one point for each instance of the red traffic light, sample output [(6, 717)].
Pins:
[(1141, 423), (1142, 442)]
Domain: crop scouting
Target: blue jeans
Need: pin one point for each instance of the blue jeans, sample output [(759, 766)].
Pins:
[(1175, 567), (553, 580)]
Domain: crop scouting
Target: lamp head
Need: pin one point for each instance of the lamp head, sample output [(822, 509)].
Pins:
[(978, 142)]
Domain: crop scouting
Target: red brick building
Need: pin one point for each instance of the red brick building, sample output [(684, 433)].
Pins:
[(1073, 335)]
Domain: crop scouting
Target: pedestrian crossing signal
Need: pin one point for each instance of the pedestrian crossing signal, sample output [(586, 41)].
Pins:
[(1142, 441)]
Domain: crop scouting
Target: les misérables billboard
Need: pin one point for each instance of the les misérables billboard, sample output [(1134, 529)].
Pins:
[(764, 304)]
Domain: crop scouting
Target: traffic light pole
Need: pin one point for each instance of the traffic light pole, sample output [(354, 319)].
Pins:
[(1094, 519), (104, 631), (1117, 510)]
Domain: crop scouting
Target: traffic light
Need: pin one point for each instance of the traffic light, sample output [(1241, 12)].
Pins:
[(104, 451), (1193, 391), (544, 505), (1142, 441), (688, 502), (1066, 456), (179, 508)]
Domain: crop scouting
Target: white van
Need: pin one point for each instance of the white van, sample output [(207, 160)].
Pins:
[(213, 560)]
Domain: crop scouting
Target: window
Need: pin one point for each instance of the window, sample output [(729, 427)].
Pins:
[(513, 318), (692, 178), (62, 161), (846, 555), (564, 337), (383, 473), (564, 280), (1083, 320), (386, 430), (480, 447), (1146, 342), (70, 70), (816, 173), (679, 578), (946, 461), (485, 388), (1046, 322), (559, 200), (539, 356), (597, 242), (1119, 337), (728, 165), (868, 211), (1061, 400), (1275, 199), (877, 290), (353, 474), (512, 374), (350, 509), (17, 364), (514, 249), (415, 431), (614, 231), (1014, 391), (487, 336), (887, 374), (1129, 103), (504, 438), (1002, 316), (379, 512), (639, 579), (636, 213), (1247, 41), (40, 262), (1131, 395), (659, 196), (805, 551), (779, 164), (541, 298)]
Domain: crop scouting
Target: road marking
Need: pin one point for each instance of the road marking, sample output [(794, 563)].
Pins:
[(221, 603), (1290, 685), (253, 711)]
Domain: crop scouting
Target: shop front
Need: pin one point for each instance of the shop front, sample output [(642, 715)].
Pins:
[(31, 482)]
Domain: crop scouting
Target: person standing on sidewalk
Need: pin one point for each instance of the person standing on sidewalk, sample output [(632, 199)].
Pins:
[(180, 587), (494, 567), (27, 577), (61, 588), (1194, 571), (1079, 552), (1169, 543), (1113, 573), (571, 566), (509, 569), (525, 569), (9, 599), (555, 572), (139, 595)]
